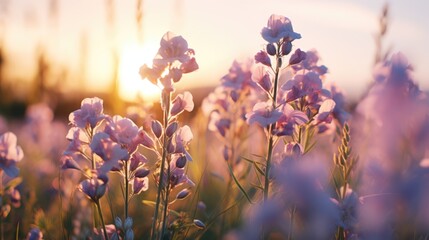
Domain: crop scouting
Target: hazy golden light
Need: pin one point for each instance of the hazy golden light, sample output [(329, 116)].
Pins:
[(131, 85)]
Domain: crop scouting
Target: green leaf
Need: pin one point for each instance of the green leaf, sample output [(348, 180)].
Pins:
[(239, 185)]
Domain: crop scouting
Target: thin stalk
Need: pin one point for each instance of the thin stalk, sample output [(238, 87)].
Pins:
[(165, 101), (270, 129), (97, 203), (126, 180), (1, 228), (292, 217), (167, 193)]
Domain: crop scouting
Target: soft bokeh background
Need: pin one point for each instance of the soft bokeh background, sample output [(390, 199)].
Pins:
[(66, 48)]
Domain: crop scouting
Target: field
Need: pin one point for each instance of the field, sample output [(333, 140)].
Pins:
[(274, 151)]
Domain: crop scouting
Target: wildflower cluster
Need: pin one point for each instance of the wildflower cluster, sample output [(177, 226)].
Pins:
[(173, 59)]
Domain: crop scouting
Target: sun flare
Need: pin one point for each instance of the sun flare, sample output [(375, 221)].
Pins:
[(131, 86)]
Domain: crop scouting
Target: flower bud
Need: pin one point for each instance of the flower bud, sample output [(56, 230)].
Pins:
[(118, 223), (142, 172), (226, 153), (156, 128), (183, 194), (171, 129), (199, 224), (170, 146), (286, 48), (146, 140), (271, 49), (129, 234), (234, 96), (128, 224), (262, 57), (181, 161)]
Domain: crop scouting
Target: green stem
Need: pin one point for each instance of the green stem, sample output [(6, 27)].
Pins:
[(126, 180), (97, 203), (167, 193), (165, 102), (270, 130)]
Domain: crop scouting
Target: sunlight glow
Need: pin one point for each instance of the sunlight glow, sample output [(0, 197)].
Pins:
[(131, 86)]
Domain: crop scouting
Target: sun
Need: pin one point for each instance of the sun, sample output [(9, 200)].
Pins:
[(131, 86)]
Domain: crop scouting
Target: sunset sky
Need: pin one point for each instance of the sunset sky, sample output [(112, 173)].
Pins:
[(219, 31)]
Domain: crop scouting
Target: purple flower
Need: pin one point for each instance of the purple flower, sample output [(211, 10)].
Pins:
[(287, 121), (177, 175), (182, 139), (239, 78), (140, 184), (348, 209), (302, 85), (325, 110), (121, 130), (262, 57), (182, 102), (10, 154), (173, 48), (108, 150), (310, 63), (219, 124), (90, 113), (297, 57), (263, 114), (34, 234), (279, 27), (339, 112), (137, 160), (95, 187)]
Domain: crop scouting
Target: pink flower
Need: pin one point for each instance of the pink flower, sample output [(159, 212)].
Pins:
[(90, 113), (279, 27), (78, 141), (261, 76), (182, 102), (189, 66), (95, 187), (10, 154), (263, 114), (152, 74)]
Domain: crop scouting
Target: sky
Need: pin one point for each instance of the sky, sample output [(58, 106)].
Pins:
[(81, 38)]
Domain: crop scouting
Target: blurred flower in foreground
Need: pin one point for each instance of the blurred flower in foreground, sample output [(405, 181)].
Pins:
[(10, 154)]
